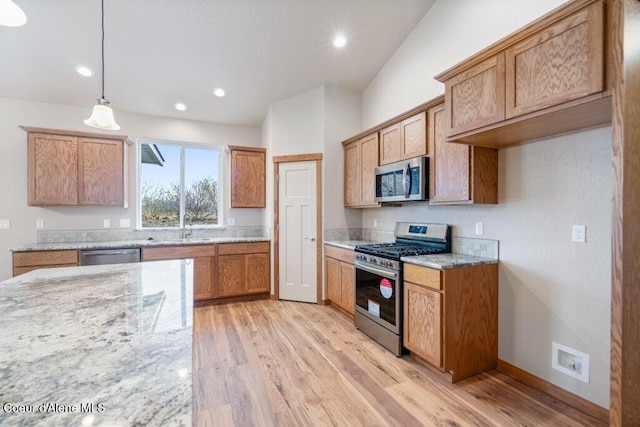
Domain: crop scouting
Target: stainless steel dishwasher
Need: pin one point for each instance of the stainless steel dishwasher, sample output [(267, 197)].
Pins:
[(109, 256)]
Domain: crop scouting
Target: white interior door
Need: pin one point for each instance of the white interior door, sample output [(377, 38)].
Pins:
[(297, 223)]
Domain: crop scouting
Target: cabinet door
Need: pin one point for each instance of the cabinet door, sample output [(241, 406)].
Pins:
[(203, 278), (561, 63), (449, 169), (248, 186), (231, 276), (101, 172), (351, 175), (334, 286), (368, 164), (476, 97), (414, 136), (347, 287), (52, 170), (390, 145), (423, 322), (257, 268)]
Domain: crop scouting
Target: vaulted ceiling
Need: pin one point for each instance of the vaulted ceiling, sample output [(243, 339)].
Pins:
[(159, 52)]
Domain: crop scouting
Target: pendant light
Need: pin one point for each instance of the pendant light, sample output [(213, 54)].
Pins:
[(102, 116), (11, 15)]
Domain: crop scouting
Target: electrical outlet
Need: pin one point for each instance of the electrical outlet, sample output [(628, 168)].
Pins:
[(569, 361), (579, 233), (39, 224), (231, 221), (479, 228), (106, 223), (125, 223), (5, 224), (375, 223)]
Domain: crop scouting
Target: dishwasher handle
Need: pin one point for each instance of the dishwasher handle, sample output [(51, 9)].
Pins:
[(110, 252)]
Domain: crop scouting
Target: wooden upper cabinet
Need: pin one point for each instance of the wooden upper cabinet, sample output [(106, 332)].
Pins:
[(360, 161), (390, 145), (558, 64), (248, 183), (546, 79), (101, 173), (404, 140), (475, 97), (459, 173), (76, 168), (52, 169), (368, 164)]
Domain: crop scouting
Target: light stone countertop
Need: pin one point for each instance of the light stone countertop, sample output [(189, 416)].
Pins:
[(135, 243), (348, 244), (446, 261), (98, 345)]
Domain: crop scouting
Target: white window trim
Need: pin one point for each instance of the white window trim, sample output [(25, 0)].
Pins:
[(221, 154)]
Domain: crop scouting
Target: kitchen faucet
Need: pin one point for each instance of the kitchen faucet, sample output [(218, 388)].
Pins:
[(185, 233)]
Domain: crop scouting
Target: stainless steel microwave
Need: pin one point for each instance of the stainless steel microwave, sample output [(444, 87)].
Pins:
[(404, 181)]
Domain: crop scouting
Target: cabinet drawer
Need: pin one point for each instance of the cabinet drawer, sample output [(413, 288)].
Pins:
[(178, 252), (40, 258), (341, 254), (422, 276), (243, 248)]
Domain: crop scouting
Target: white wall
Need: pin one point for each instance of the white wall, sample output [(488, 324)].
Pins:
[(550, 288), (13, 168)]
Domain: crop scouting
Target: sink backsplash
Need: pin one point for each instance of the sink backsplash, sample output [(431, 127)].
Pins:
[(108, 235)]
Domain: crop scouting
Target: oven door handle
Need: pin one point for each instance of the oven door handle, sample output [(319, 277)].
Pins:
[(384, 273)]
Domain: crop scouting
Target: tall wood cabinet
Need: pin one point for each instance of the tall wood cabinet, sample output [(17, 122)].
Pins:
[(339, 278), (451, 317), (76, 169), (248, 182), (545, 79), (459, 173), (360, 161)]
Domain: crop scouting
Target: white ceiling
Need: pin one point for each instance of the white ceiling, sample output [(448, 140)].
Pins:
[(159, 52)]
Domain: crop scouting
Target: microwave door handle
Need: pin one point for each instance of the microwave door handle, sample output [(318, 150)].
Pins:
[(406, 186)]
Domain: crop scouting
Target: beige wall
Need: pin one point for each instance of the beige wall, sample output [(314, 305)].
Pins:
[(550, 288), (13, 168)]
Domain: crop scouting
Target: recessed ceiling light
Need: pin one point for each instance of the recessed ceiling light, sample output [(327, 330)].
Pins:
[(219, 92), (84, 71), (180, 106), (339, 41)]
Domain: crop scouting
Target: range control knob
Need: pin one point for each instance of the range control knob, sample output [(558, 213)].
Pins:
[(373, 260)]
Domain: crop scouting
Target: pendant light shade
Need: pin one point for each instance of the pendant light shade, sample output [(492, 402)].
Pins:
[(102, 115), (11, 15)]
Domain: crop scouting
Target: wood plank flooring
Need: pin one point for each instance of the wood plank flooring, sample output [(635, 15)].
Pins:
[(279, 363)]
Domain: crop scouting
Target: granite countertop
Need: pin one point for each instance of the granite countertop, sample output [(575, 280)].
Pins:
[(446, 261), (135, 243), (98, 345), (348, 244)]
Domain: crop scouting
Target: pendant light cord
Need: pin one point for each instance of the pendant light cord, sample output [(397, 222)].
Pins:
[(102, 49)]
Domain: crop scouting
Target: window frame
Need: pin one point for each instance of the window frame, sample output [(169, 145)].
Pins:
[(183, 146)]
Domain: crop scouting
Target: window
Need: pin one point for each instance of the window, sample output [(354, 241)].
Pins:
[(177, 179)]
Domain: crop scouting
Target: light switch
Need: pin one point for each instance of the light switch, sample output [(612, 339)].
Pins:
[(5, 224), (125, 223), (106, 223)]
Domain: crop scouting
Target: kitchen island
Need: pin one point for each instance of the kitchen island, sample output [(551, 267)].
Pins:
[(98, 345)]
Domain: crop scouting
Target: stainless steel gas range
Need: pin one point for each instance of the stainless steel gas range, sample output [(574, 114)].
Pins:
[(378, 279)]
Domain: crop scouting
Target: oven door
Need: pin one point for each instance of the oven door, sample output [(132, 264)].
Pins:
[(379, 295)]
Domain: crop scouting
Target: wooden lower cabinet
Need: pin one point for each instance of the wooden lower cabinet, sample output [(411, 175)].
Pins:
[(339, 272), (243, 269), (451, 318), (204, 265), (23, 262)]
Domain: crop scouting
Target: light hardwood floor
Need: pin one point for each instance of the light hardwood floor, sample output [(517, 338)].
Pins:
[(278, 363)]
